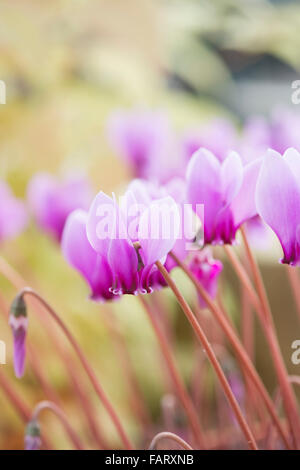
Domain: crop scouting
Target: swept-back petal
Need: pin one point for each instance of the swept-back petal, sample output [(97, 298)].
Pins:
[(204, 186), (232, 176), (243, 207), (80, 254), (278, 203), (158, 229), (101, 222)]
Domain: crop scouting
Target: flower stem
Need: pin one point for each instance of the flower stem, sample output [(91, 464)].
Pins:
[(136, 398), (265, 316), (212, 357), (48, 405), (89, 371), (295, 285), (171, 436), (19, 283), (228, 329), (175, 376), (19, 405)]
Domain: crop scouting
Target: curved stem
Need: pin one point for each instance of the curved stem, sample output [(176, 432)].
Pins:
[(89, 371), (228, 329), (175, 376), (21, 408), (211, 355), (289, 399), (118, 339), (171, 436), (19, 283), (48, 405)]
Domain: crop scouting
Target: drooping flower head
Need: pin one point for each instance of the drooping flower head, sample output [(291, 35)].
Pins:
[(219, 136), (13, 215), (207, 270), (284, 130), (80, 255), (222, 194), (278, 200), (145, 140), (18, 322), (114, 231), (51, 201)]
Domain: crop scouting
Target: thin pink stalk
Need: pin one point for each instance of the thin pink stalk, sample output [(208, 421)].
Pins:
[(295, 285), (180, 388), (288, 395), (88, 369), (18, 403), (48, 405), (171, 436), (211, 355), (242, 355), (124, 358), (19, 283)]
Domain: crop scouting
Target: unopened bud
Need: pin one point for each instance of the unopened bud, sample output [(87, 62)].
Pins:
[(33, 436), (19, 323)]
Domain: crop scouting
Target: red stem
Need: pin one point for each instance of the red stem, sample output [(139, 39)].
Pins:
[(48, 405), (289, 398), (89, 371), (211, 355), (172, 437), (175, 376), (228, 329)]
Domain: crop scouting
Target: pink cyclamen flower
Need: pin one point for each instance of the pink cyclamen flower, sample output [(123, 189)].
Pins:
[(278, 200), (13, 215), (51, 201), (18, 322), (112, 230), (81, 256), (222, 194), (284, 130), (207, 270), (144, 139), (219, 136)]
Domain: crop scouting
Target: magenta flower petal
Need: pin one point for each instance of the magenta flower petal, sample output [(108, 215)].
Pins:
[(204, 187), (139, 136), (158, 230), (219, 136), (51, 201), (80, 254), (19, 325), (278, 203), (231, 176), (13, 215), (207, 270), (101, 222), (243, 206)]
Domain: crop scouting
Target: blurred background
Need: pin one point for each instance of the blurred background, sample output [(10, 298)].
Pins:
[(67, 65)]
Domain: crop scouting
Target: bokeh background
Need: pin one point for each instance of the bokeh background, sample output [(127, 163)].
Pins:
[(67, 65)]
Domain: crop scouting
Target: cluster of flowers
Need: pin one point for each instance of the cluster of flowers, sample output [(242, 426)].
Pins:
[(234, 178)]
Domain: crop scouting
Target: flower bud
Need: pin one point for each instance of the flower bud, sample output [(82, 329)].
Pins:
[(33, 436), (207, 271), (19, 323)]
